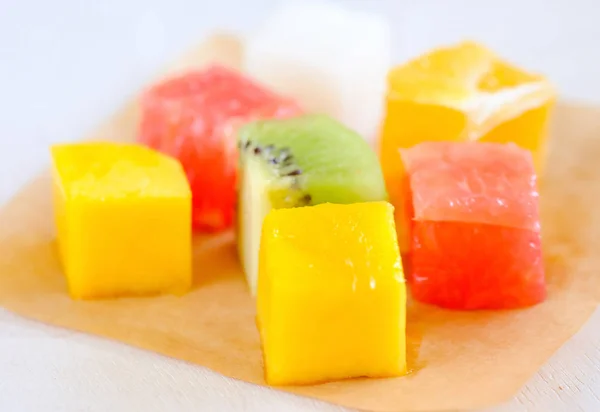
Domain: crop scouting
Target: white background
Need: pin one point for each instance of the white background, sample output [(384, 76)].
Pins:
[(65, 65)]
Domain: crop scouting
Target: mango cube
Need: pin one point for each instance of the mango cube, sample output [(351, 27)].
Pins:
[(123, 218), (331, 294)]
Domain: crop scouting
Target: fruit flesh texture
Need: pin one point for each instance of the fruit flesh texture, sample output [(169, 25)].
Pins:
[(461, 93), (307, 160), (489, 183), (331, 313), (464, 265), (332, 59), (123, 218), (475, 228), (253, 206), (193, 118)]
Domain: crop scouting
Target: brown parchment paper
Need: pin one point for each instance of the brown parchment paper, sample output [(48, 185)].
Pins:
[(459, 360)]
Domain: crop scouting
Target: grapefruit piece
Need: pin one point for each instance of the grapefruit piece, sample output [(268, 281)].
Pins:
[(194, 118), (474, 225)]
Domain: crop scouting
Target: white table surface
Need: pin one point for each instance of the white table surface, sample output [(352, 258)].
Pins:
[(66, 64)]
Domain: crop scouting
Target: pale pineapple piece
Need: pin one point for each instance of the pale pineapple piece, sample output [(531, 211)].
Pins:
[(332, 58)]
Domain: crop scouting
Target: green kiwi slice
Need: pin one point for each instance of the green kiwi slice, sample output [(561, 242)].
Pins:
[(295, 162)]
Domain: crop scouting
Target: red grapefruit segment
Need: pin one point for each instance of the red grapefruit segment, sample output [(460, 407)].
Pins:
[(193, 117), (473, 182), (475, 229)]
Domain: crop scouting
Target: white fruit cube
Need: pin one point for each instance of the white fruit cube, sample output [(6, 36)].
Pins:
[(331, 59)]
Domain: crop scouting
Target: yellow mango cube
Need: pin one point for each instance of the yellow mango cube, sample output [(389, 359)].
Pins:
[(123, 219), (331, 300)]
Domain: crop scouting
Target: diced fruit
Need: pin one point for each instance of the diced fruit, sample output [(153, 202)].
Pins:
[(332, 297), (123, 218), (332, 59), (475, 223), (462, 93), (306, 160), (463, 265), (193, 118)]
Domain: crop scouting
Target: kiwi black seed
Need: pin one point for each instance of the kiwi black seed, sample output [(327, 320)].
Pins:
[(281, 160)]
